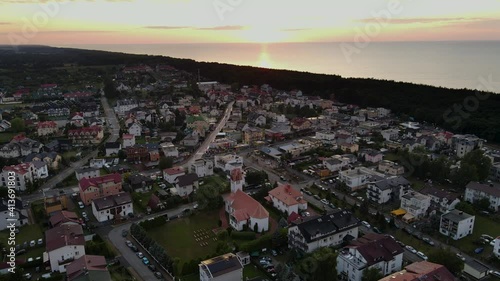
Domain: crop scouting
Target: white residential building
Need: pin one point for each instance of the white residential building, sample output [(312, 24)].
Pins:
[(128, 140), (326, 137), (475, 191), (23, 174), (359, 177), (124, 106), (383, 191), (331, 229), (18, 215), (41, 169), (135, 129), (390, 134), (202, 167), (496, 247), (169, 150), (370, 251), (87, 172), (228, 162), (64, 244), (186, 184), (287, 199), (444, 200), (112, 206), (227, 267), (170, 174), (464, 144), (415, 204), (456, 224), (334, 164), (390, 168)]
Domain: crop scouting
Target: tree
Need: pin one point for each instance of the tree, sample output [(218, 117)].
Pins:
[(482, 204), (208, 197), (320, 265), (465, 174), (481, 162), (465, 207), (372, 274), (17, 125), (446, 258), (166, 162)]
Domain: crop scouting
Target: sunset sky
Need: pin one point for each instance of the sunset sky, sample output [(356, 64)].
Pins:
[(218, 21)]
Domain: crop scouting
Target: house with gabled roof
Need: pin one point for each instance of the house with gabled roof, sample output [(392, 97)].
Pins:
[(370, 251), (329, 230), (46, 128), (94, 188), (88, 268), (287, 199), (63, 245), (112, 207)]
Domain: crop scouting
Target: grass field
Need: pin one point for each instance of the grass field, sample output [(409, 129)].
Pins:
[(6, 137), (249, 271), (482, 225), (178, 236)]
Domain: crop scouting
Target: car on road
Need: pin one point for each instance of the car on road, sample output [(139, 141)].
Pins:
[(124, 233), (422, 255), (494, 273), (411, 249), (460, 256), (128, 243), (84, 214), (152, 267), (331, 205), (308, 192), (134, 248), (145, 261), (324, 201), (366, 224), (140, 255), (428, 241), (80, 205), (376, 230), (32, 243), (158, 275), (316, 196)]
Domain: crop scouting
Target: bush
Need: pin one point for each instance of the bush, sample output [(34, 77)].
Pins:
[(265, 241), (156, 222), (243, 235)]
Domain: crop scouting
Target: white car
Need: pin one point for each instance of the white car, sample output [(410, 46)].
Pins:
[(494, 273), (462, 258), (492, 243), (422, 255), (366, 224), (84, 214), (411, 249), (324, 201), (80, 204)]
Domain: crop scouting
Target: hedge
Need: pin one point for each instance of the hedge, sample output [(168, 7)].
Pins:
[(243, 235)]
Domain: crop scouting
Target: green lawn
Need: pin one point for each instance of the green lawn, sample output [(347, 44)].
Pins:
[(178, 236), (6, 137), (249, 271), (217, 180)]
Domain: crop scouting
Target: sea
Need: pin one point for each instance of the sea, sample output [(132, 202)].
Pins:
[(450, 64)]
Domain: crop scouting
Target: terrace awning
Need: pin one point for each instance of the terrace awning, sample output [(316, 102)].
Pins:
[(398, 212)]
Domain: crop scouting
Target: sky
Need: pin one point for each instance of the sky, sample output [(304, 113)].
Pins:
[(67, 22)]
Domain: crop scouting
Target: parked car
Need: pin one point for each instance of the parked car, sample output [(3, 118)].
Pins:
[(462, 258), (20, 252), (366, 224), (486, 236), (80, 205), (158, 275), (308, 192), (274, 253), (411, 249), (40, 241), (479, 250), (152, 267), (316, 196), (124, 233), (428, 241), (494, 273), (377, 230), (128, 243), (145, 261), (84, 214), (422, 255), (324, 201), (27, 276), (134, 248), (32, 243), (140, 255)]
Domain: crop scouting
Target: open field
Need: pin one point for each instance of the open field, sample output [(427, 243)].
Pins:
[(178, 236)]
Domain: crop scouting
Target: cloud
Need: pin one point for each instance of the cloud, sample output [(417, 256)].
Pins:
[(214, 28), (61, 1), (166, 27), (295, 29), (225, 27), (67, 32), (4, 23), (423, 20)]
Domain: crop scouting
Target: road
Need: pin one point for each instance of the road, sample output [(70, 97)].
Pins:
[(115, 134), (115, 236), (208, 140)]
